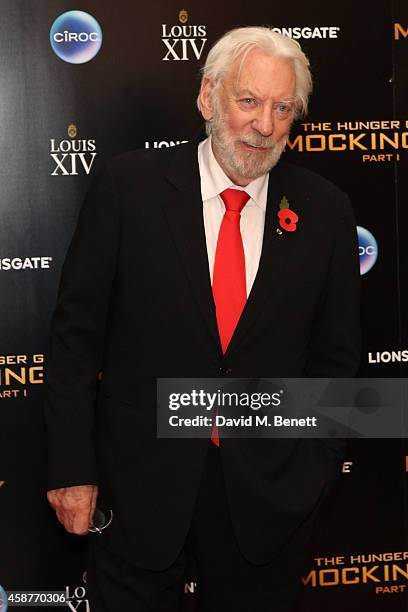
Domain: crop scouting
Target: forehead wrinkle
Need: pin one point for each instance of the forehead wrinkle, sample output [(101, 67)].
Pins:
[(237, 66), (251, 94), (235, 79), (242, 88), (246, 92), (241, 58)]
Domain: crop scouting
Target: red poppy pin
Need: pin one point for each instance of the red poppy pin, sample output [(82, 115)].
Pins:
[(287, 218)]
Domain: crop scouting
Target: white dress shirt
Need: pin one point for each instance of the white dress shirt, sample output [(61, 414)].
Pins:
[(213, 182)]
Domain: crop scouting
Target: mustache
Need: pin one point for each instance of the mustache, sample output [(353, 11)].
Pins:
[(257, 140)]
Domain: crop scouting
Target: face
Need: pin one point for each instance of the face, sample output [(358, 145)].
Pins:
[(251, 114)]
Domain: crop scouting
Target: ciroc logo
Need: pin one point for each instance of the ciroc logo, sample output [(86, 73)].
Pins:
[(367, 249), (76, 37), (3, 600), (183, 42)]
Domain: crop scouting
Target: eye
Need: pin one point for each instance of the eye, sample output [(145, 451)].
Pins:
[(283, 108), (248, 102)]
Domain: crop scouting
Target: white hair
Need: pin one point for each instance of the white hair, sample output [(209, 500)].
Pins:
[(240, 41)]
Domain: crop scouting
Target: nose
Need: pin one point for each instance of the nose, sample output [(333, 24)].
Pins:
[(264, 121)]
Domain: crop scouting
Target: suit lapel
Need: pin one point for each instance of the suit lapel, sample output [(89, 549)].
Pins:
[(183, 208), (277, 248), (184, 212)]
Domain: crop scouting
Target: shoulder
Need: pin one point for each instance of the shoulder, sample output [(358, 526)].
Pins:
[(314, 189), (146, 162), (306, 180)]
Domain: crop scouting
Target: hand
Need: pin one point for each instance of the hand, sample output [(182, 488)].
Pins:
[(74, 506)]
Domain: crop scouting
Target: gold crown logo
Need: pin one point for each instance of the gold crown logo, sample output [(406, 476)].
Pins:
[(72, 130), (183, 16)]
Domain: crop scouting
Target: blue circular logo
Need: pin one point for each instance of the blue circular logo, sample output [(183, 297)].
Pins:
[(76, 37), (3, 600), (367, 249)]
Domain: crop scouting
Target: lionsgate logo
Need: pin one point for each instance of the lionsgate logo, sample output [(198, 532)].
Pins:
[(183, 42), (25, 263), (390, 356), (163, 144), (72, 156), (309, 32)]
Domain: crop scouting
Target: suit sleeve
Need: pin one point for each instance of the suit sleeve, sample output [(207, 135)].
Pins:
[(334, 350), (76, 339)]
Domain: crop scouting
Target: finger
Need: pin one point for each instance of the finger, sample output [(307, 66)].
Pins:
[(94, 496), (80, 523), (60, 516), (65, 519), (54, 499), (93, 505)]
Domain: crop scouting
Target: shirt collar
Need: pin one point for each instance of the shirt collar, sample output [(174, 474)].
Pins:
[(214, 180)]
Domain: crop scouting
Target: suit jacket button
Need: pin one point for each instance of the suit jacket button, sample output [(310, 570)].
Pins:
[(225, 371)]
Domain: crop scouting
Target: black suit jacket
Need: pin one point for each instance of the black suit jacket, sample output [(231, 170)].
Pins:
[(135, 301)]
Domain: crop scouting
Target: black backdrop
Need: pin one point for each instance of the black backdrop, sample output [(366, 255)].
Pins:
[(131, 96)]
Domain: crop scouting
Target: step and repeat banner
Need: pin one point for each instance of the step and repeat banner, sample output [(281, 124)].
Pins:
[(82, 82)]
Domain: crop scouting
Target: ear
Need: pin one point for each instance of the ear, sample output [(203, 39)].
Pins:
[(207, 111)]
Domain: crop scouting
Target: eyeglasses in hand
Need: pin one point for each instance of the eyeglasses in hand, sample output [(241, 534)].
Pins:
[(101, 520)]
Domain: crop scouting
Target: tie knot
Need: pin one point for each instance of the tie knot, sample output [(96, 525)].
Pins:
[(234, 199)]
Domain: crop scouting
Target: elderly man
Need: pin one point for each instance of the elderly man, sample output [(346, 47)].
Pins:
[(183, 265)]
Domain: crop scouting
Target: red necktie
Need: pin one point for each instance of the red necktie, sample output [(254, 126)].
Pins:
[(229, 278)]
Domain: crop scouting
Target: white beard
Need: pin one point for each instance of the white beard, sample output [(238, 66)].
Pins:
[(235, 160)]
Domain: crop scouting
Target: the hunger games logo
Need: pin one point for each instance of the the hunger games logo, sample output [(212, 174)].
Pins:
[(374, 141), (400, 31), (18, 373), (386, 573)]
